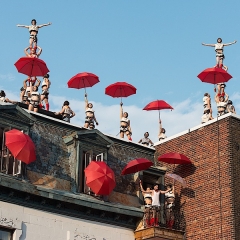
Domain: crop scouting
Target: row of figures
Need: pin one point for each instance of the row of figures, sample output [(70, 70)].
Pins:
[(224, 105), (29, 91)]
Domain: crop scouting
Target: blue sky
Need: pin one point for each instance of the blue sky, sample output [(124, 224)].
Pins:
[(154, 45)]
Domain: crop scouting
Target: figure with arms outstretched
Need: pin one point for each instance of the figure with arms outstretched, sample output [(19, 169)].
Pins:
[(219, 51), (33, 30)]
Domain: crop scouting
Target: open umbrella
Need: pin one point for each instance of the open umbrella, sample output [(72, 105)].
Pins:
[(83, 80), (100, 178), (177, 178), (120, 89), (157, 105), (214, 75), (31, 66), (174, 158), (20, 145), (136, 165)]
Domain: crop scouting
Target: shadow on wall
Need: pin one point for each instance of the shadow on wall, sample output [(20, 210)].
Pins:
[(185, 170)]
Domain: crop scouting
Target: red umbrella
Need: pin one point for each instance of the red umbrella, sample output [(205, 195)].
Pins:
[(83, 80), (157, 105), (174, 158), (100, 178), (214, 75), (31, 66), (20, 145), (136, 165), (120, 89)]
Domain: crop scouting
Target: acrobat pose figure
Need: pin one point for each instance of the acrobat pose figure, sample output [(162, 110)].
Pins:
[(219, 52), (45, 91), (90, 116), (33, 52), (33, 30), (125, 124)]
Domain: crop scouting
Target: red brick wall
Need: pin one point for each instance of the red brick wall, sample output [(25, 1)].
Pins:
[(207, 202)]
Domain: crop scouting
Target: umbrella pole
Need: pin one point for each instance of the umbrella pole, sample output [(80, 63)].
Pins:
[(159, 118)]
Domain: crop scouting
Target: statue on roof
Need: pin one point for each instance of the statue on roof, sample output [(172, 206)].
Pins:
[(33, 30), (219, 52)]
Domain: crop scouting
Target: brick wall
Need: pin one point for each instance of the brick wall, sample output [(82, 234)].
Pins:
[(207, 202)]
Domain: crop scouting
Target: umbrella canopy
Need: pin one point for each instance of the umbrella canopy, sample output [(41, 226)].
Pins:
[(20, 145), (120, 89), (177, 178), (174, 158), (136, 165), (100, 178), (157, 105), (31, 66), (214, 75), (83, 80)]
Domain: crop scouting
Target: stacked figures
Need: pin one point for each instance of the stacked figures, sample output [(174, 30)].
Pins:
[(218, 76), (33, 67)]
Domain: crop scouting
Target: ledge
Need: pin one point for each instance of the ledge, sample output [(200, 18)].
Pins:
[(80, 206), (159, 233)]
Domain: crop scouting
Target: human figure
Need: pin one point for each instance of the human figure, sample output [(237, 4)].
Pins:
[(220, 89), (169, 204), (25, 95), (66, 112), (45, 91), (34, 98), (219, 51), (146, 140), (162, 132), (147, 194), (221, 102), (33, 30), (154, 221), (90, 115), (207, 103), (125, 124), (206, 116), (4, 99), (33, 53), (230, 107)]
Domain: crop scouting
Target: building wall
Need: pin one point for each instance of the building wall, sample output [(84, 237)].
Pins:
[(33, 224), (207, 201)]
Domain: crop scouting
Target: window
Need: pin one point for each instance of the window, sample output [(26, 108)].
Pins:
[(88, 157), (6, 233), (8, 164)]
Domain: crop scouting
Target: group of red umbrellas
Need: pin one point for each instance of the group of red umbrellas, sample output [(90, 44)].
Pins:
[(101, 179)]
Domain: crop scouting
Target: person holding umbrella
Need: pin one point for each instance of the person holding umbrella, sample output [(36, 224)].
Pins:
[(33, 30), (221, 104), (124, 124), (90, 115), (33, 52), (162, 132)]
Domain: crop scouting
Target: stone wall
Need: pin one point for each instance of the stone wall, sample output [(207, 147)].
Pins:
[(208, 198)]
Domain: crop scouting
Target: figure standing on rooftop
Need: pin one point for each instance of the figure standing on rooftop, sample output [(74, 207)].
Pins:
[(45, 91), (221, 102), (146, 140), (66, 112), (33, 53), (34, 99), (219, 51), (124, 124), (33, 30), (90, 115), (207, 104), (162, 132), (230, 107)]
